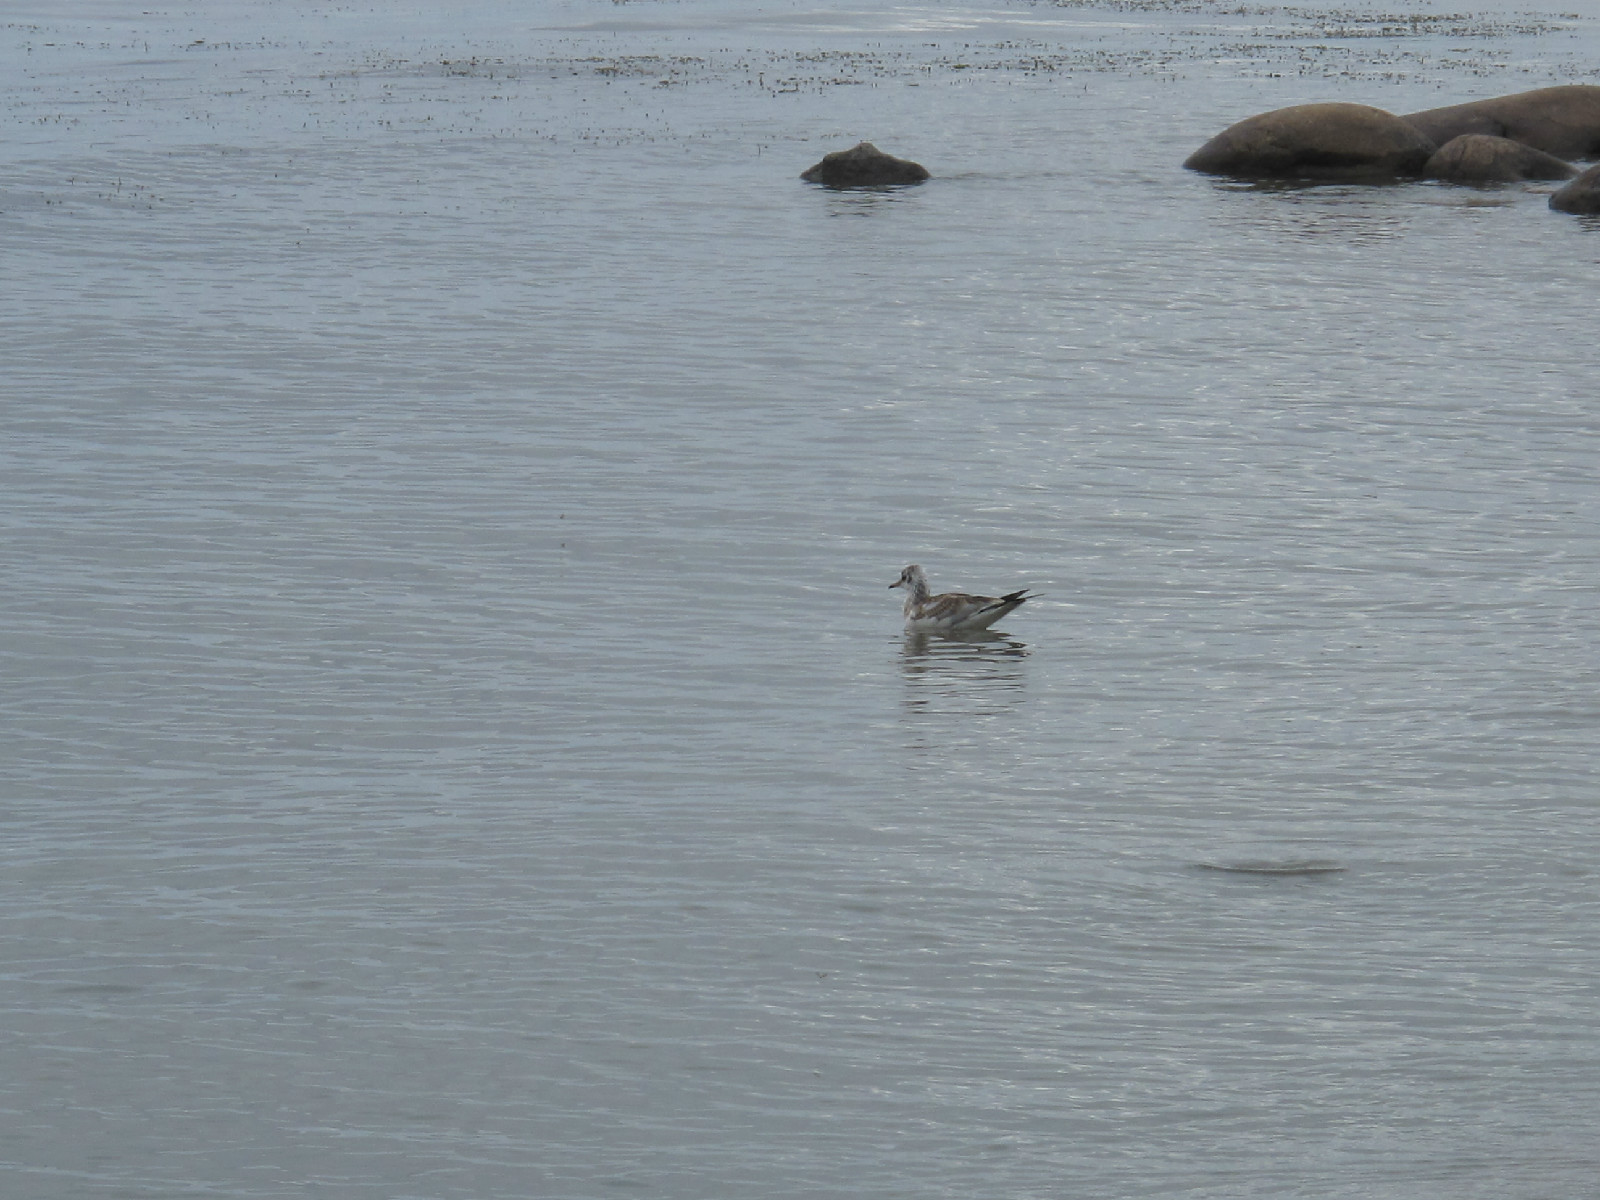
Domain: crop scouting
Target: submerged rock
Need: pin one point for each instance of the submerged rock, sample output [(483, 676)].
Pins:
[(1563, 121), (1482, 158), (1316, 141), (864, 165), (1262, 866), (1582, 195)]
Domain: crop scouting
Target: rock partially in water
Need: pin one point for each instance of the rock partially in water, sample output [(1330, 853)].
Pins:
[(1331, 141), (1563, 121), (1264, 866), (1483, 158), (864, 165), (1582, 195)]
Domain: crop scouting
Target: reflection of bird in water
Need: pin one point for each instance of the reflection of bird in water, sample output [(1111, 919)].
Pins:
[(951, 612), (970, 673), (976, 645)]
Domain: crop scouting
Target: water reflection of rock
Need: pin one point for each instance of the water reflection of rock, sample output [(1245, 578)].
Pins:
[(1316, 212), (865, 202), (963, 674)]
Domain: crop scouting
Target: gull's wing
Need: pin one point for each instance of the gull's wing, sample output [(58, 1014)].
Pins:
[(957, 610)]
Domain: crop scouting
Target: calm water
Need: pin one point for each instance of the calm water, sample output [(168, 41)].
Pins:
[(457, 738)]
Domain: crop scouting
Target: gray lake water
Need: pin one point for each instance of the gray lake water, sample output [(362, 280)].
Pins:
[(457, 740)]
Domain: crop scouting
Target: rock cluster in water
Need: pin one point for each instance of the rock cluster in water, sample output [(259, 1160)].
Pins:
[(1485, 158), (864, 165), (1582, 195), (1316, 141), (1530, 135)]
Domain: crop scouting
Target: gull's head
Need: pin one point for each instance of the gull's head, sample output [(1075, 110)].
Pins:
[(908, 577)]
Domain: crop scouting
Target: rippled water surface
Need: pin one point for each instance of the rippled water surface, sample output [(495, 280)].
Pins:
[(458, 741)]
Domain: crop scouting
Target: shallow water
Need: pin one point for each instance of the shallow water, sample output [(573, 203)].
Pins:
[(459, 740)]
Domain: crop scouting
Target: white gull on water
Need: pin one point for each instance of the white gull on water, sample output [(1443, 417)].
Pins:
[(951, 610)]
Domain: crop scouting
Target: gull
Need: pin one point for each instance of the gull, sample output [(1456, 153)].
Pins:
[(951, 611)]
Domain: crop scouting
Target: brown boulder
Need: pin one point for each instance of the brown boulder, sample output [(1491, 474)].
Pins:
[(1480, 158), (1316, 141), (1563, 121), (1582, 195), (864, 165)]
